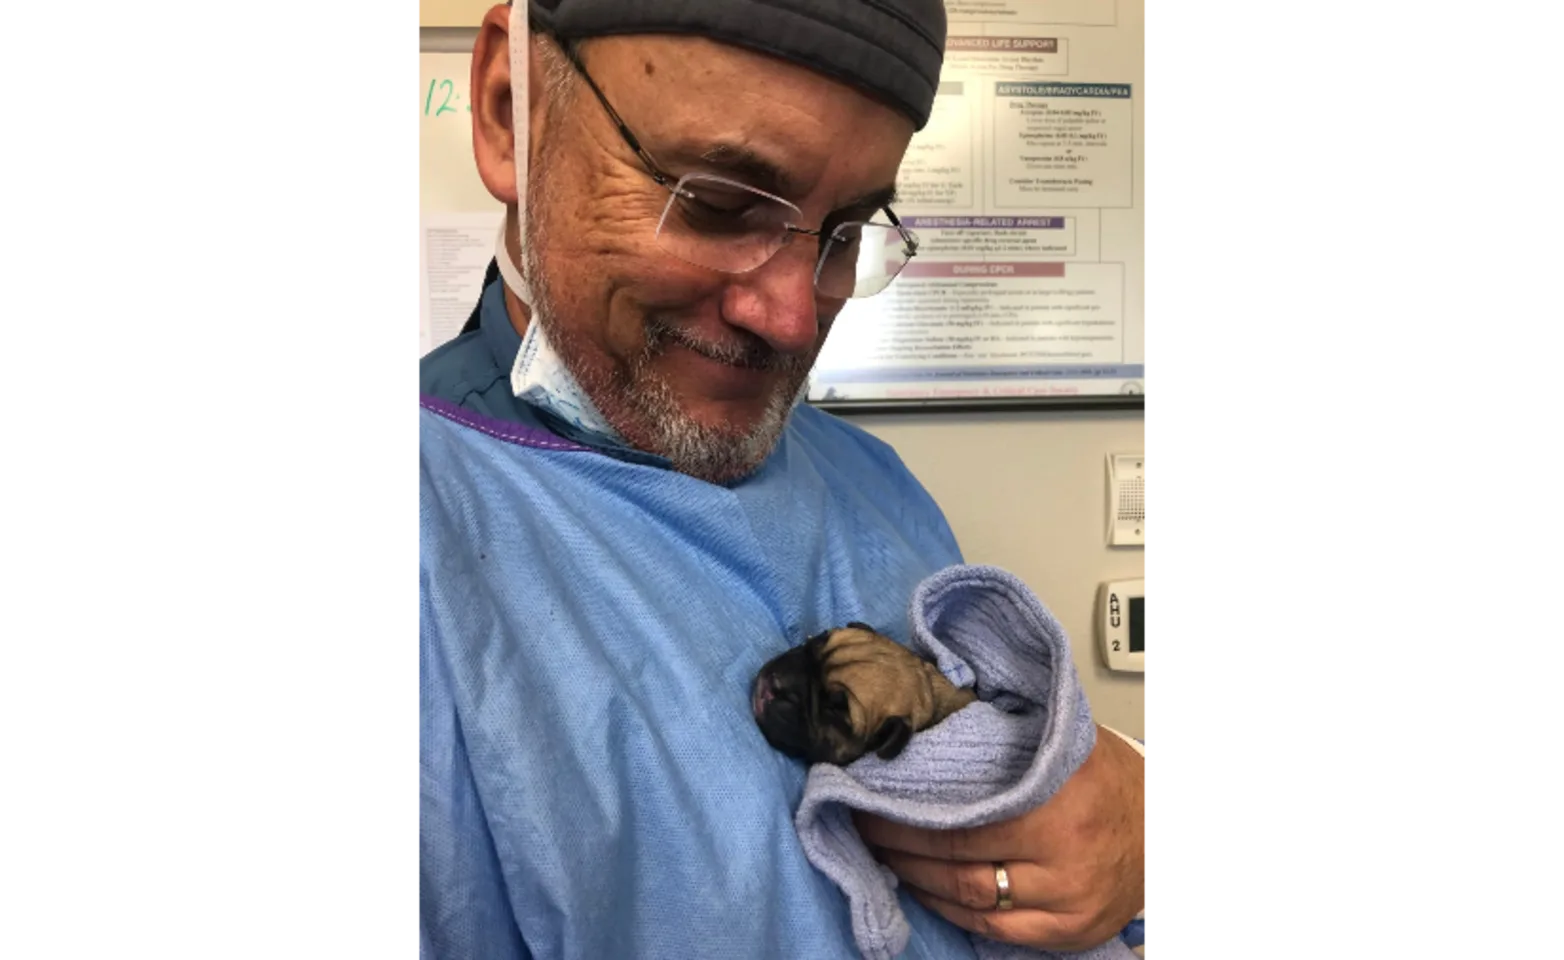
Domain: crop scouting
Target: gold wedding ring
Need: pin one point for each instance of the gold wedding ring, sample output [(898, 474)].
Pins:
[(1002, 881)]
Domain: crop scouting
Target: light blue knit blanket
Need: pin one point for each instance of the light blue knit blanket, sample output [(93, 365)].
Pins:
[(995, 759)]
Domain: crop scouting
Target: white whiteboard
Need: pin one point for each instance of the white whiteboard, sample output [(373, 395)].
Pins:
[(1026, 189), (447, 177)]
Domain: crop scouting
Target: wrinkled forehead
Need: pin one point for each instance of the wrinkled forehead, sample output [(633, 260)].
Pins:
[(850, 648)]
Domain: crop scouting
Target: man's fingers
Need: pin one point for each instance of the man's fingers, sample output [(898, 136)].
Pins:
[(971, 885), (1005, 840), (1033, 928)]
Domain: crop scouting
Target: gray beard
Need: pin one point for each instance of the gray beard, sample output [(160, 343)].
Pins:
[(644, 408)]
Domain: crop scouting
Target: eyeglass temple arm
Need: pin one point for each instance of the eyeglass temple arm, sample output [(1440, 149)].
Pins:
[(651, 165), (906, 235), (664, 179)]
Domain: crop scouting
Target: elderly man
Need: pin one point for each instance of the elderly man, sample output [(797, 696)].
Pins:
[(625, 511)]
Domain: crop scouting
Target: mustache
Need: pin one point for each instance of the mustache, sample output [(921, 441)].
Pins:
[(746, 350)]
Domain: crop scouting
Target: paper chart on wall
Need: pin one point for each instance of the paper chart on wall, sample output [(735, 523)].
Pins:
[(1025, 190), (454, 250), (458, 217)]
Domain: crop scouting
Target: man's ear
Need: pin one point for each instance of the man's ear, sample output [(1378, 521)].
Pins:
[(891, 738), (489, 87)]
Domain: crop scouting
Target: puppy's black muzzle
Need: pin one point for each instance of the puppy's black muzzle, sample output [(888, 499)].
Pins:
[(784, 702)]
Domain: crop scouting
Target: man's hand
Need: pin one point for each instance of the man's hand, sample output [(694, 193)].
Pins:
[(1076, 864)]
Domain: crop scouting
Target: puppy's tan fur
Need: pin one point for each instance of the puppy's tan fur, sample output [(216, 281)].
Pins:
[(882, 680)]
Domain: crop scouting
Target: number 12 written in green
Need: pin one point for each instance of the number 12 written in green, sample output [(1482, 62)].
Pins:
[(449, 89)]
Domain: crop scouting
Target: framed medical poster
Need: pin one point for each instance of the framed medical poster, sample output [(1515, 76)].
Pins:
[(1024, 193)]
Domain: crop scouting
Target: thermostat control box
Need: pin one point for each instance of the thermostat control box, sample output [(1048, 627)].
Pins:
[(1121, 624)]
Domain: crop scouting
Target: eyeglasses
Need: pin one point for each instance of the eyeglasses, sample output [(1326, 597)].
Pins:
[(724, 225)]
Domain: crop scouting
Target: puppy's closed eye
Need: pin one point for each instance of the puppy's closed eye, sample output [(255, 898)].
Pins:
[(836, 700)]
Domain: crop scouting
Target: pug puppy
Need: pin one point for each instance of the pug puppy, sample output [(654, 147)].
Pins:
[(847, 692)]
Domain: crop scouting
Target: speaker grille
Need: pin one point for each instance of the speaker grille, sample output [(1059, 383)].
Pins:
[(1132, 499)]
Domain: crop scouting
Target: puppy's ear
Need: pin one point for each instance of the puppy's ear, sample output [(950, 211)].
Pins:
[(860, 625), (891, 738)]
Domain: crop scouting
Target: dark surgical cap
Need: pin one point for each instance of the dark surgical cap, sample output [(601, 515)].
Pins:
[(891, 49)]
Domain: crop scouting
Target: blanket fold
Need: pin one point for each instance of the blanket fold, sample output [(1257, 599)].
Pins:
[(997, 758)]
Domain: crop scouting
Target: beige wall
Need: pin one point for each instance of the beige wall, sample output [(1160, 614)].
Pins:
[(452, 13), (1028, 492)]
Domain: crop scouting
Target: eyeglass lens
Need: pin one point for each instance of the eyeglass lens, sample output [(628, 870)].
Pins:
[(723, 225)]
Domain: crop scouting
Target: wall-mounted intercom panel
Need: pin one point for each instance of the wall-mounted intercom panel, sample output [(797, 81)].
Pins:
[(1129, 501)]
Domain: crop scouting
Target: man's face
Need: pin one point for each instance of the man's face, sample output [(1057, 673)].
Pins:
[(695, 364)]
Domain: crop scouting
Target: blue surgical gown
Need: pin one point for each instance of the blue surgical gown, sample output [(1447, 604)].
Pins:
[(593, 784)]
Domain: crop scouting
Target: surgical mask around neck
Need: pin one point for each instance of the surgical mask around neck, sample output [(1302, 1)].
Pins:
[(538, 375)]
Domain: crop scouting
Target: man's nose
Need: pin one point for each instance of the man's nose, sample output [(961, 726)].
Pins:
[(777, 300)]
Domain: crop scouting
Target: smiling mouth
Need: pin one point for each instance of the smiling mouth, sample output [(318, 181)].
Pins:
[(753, 354), (726, 360), (733, 359)]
